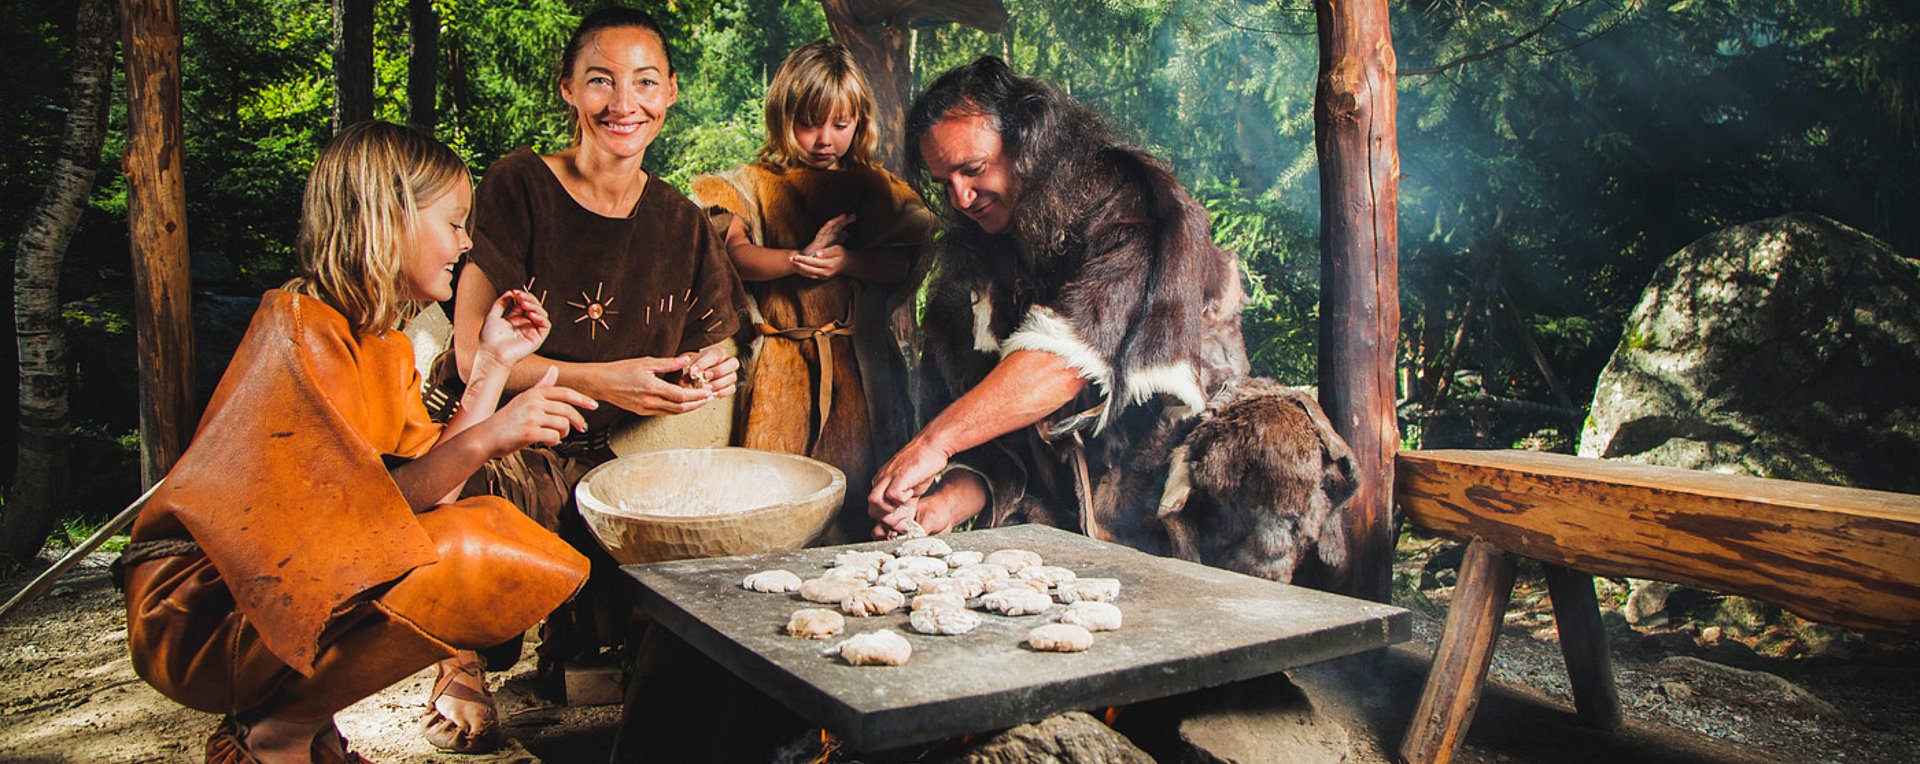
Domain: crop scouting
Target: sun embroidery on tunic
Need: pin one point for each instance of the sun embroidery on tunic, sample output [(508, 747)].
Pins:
[(595, 311)]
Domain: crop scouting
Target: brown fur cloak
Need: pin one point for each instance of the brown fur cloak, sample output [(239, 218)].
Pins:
[(859, 410)]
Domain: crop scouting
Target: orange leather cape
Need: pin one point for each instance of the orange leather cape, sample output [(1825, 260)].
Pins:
[(284, 487)]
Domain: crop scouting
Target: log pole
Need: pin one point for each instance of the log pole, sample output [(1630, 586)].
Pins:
[(157, 227), (1355, 137), (1452, 692), (1583, 642)]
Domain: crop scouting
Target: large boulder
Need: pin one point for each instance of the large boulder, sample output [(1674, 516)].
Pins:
[(1785, 348)]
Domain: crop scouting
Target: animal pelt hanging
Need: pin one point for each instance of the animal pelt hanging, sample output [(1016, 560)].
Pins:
[(1266, 486)]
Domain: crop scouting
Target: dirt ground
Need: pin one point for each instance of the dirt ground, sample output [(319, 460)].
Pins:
[(68, 694)]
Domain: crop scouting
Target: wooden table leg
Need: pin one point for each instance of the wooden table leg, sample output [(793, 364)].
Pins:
[(1460, 662), (1576, 613)]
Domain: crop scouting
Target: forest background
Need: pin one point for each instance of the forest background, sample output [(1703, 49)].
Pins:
[(1553, 152)]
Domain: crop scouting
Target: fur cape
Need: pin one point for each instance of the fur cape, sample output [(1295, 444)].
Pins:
[(1128, 287)]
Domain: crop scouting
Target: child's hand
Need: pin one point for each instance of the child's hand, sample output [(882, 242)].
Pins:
[(822, 264), (515, 326), (541, 414), (832, 233)]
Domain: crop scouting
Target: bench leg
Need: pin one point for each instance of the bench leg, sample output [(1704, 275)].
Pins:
[(1576, 613), (1460, 662)]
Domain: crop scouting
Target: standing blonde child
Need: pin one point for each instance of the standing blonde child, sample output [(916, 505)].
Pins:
[(307, 551), (829, 245)]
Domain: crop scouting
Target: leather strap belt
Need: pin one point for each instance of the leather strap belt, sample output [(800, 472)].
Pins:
[(822, 337)]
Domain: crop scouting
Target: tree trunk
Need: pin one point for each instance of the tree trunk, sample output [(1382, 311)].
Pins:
[(157, 226), (1354, 134), (352, 62), (41, 481), (877, 32), (882, 52), (422, 65)]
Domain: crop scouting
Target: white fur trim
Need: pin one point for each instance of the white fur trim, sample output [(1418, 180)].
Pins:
[(983, 339), (1176, 379), (1045, 331)]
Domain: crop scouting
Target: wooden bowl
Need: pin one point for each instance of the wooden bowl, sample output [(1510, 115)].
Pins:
[(708, 502)]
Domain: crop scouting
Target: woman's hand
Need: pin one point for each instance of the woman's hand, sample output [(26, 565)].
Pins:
[(640, 385), (515, 326), (715, 369), (542, 414)]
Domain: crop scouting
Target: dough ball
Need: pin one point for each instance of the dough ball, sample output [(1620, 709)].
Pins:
[(923, 565), (1016, 601), (912, 529), (1014, 560), (1059, 638), (964, 588), (1093, 616), (903, 581), (946, 621), (922, 547), (959, 560), (815, 623), (771, 582), (1089, 589), (984, 571), (1003, 584), (1050, 575), (872, 559), (873, 600), (925, 601), (859, 573), (829, 591), (880, 648)]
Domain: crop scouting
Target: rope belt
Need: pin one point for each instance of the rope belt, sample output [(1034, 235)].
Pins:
[(822, 337), (143, 551)]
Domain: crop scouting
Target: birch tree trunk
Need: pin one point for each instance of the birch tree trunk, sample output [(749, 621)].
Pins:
[(1355, 137), (41, 477)]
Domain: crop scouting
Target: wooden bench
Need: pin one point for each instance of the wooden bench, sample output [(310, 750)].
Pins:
[(1843, 556)]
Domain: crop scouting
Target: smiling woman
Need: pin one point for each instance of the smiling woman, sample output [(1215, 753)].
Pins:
[(642, 296)]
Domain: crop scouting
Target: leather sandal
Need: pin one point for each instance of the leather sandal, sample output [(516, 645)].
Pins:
[(444, 733), (228, 745)]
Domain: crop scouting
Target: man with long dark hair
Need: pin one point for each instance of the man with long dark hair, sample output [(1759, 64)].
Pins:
[(1080, 326)]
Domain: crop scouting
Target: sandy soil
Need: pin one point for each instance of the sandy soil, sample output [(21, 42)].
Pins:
[(68, 694)]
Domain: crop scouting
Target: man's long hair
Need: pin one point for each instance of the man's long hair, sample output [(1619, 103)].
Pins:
[(1055, 143)]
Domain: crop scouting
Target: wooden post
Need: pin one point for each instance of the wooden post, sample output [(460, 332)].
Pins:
[(1354, 135), (1460, 661), (157, 226), (1583, 642)]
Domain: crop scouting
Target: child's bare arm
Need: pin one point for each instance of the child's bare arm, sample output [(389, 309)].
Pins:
[(754, 262)]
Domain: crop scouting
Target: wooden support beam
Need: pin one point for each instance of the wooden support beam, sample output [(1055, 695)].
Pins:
[(1583, 642), (1460, 661), (1355, 138), (1843, 556), (157, 227)]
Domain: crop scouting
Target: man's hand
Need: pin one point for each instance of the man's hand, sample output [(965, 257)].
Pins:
[(902, 480), (958, 496)]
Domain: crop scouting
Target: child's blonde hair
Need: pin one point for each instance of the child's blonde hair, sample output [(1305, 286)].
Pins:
[(816, 80), (356, 219)]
